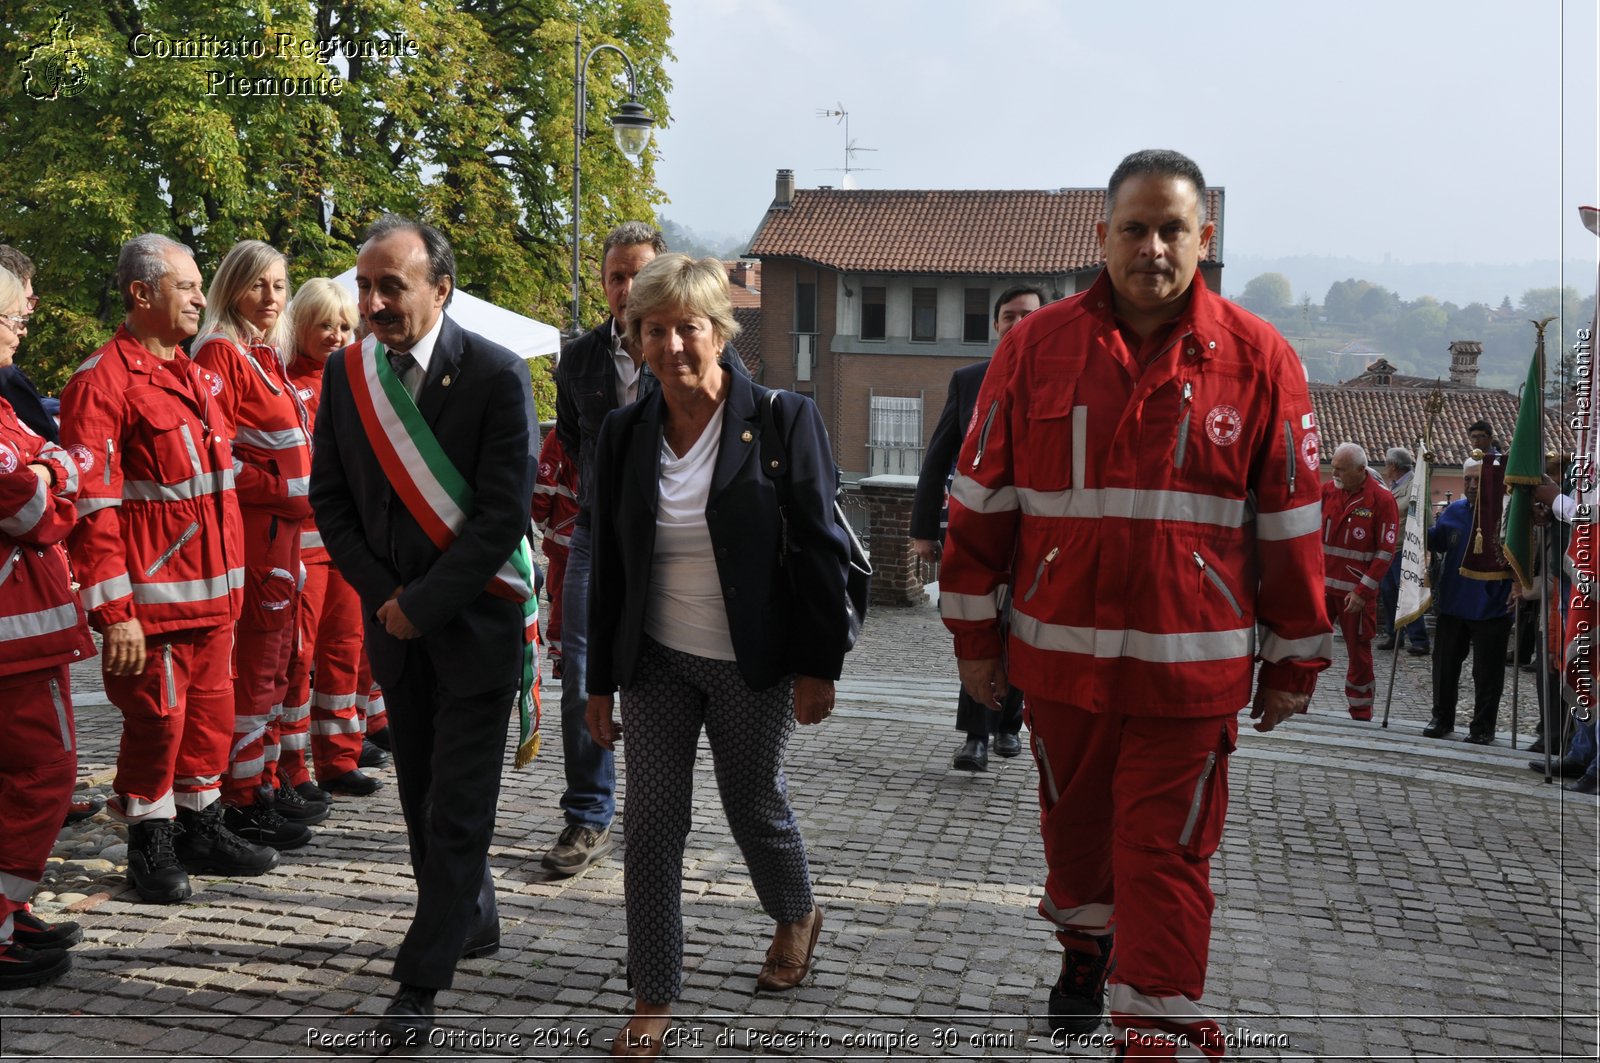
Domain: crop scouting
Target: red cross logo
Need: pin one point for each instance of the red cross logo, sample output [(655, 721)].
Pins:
[(8, 459), (1223, 425), (82, 456), (1311, 451)]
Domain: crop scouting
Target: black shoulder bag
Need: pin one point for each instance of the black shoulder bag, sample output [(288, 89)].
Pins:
[(858, 575)]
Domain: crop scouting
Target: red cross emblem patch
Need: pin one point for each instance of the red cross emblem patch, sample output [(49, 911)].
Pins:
[(1311, 451), (1223, 425), (82, 456), (8, 459)]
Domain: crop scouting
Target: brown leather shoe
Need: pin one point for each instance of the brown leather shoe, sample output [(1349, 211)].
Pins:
[(781, 971), (629, 1044)]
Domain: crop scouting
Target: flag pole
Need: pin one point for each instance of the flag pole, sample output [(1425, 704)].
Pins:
[(1424, 495)]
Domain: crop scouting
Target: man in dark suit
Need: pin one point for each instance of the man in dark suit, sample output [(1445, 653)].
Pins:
[(446, 650), (595, 375), (929, 514)]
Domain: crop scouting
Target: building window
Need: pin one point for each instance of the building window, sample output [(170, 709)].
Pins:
[(924, 314), (975, 319), (894, 435), (874, 315), (805, 307)]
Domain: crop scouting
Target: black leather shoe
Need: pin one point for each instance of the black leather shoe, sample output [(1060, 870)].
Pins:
[(1479, 740), (1588, 784), (1536, 746), (352, 782), (972, 756), (409, 1017), (485, 942), (372, 755), (1007, 744), (1563, 768), (1419, 651), (1436, 728), (382, 739)]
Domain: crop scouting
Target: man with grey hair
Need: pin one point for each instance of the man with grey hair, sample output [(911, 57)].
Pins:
[(1398, 466), (158, 570), (15, 387), (596, 374), (1360, 530)]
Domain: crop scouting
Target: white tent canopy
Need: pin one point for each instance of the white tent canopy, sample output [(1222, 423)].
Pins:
[(517, 333)]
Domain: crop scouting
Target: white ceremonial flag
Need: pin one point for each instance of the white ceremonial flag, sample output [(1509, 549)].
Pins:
[(1415, 594)]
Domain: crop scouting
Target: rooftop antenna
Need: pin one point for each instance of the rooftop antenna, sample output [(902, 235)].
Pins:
[(850, 146)]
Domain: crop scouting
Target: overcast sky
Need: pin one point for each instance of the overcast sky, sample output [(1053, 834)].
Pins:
[(1423, 130)]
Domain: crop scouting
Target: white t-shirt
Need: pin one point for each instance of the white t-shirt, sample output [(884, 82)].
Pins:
[(685, 609)]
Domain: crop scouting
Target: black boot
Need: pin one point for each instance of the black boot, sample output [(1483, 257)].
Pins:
[(292, 805), (1078, 999), (208, 845), (153, 865)]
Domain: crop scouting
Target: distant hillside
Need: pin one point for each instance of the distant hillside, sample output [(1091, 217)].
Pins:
[(1448, 282)]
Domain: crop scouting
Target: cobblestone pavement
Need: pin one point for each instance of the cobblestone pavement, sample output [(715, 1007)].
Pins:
[(1379, 896)]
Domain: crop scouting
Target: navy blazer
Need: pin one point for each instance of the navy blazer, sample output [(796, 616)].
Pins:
[(773, 636), (943, 448), (482, 419)]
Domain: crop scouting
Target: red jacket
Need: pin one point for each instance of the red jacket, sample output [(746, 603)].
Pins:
[(41, 623), (555, 494), (1147, 520), (1359, 532), (306, 376), (158, 522)]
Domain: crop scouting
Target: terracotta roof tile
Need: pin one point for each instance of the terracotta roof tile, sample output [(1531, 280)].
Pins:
[(748, 341), (1380, 417), (978, 231)]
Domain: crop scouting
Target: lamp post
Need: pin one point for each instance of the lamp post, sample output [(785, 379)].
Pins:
[(630, 125)]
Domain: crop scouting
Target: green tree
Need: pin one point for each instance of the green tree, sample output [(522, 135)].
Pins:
[(464, 118), (1267, 294)]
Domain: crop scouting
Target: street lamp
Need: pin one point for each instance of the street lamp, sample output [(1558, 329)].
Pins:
[(630, 126)]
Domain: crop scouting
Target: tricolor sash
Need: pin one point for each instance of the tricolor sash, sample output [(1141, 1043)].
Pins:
[(440, 500)]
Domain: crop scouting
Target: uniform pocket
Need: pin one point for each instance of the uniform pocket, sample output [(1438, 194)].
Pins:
[(1208, 808), (269, 595), (1057, 444)]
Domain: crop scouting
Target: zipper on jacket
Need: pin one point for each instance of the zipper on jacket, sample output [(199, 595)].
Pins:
[(1199, 795), (1216, 581), (1289, 452), (11, 563), (1182, 446), (166, 667), (188, 533), (61, 714), (1038, 573), (983, 434), (111, 449)]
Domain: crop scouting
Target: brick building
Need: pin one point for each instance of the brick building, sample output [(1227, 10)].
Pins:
[(870, 298)]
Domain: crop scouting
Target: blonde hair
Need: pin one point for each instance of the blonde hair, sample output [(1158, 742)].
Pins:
[(244, 263), (677, 282), (12, 292), (317, 300)]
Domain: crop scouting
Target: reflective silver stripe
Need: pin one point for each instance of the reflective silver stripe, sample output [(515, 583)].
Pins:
[(1082, 918), (195, 487), (294, 741), (61, 714), (337, 725), (246, 769), (953, 606), (981, 499), (1277, 649), (42, 622), (111, 450), (267, 439), (28, 515), (98, 595), (310, 540), (11, 563), (1133, 504), (298, 486), (1157, 648), (1215, 579), (172, 682), (1339, 584), (1369, 583), (55, 453), (1353, 555), (188, 533), (336, 702), (88, 363), (1199, 796), (1385, 555), (1051, 790), (1080, 444), (1288, 523), (262, 373), (1361, 703), (1123, 998), (251, 725), (235, 578), (193, 590), (87, 506), (296, 713)]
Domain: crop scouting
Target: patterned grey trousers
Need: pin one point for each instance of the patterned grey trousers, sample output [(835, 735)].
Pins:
[(673, 695)]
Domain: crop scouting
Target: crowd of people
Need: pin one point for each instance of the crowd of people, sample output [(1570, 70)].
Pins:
[(301, 524)]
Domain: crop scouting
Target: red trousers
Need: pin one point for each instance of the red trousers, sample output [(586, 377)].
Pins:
[(1132, 808), (38, 769), (1357, 629), (176, 718), (266, 632), (326, 692), (553, 580)]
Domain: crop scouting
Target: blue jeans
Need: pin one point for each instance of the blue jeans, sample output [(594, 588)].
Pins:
[(591, 796)]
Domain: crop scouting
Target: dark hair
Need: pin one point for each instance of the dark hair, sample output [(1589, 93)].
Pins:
[(631, 234), (441, 260), (1159, 162), (16, 262), (1481, 426), (1014, 291)]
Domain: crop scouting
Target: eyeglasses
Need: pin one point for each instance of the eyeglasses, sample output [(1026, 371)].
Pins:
[(15, 322), (33, 303)]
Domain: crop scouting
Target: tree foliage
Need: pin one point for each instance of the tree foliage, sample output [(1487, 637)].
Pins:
[(471, 129), (1269, 293)]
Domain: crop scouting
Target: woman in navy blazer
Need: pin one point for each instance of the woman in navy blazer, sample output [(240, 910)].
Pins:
[(692, 616)]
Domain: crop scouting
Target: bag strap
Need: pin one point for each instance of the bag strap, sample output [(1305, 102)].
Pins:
[(774, 454)]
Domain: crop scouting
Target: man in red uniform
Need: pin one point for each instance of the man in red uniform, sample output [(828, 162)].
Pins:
[(555, 511), (152, 550), (1360, 526), (1143, 474)]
